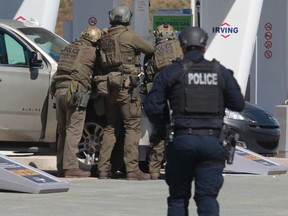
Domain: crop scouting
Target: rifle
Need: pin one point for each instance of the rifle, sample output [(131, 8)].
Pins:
[(148, 75), (170, 126), (229, 143)]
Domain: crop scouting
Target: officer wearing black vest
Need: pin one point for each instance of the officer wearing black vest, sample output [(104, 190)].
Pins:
[(196, 92)]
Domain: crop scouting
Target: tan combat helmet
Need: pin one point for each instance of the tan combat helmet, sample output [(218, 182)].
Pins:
[(120, 15), (91, 34), (165, 31)]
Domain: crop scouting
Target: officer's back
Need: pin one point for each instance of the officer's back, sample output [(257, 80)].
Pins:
[(197, 91), (120, 51)]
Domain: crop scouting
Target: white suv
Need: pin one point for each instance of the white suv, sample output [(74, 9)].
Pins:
[(28, 60)]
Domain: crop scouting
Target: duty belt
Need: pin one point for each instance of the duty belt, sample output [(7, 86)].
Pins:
[(195, 131)]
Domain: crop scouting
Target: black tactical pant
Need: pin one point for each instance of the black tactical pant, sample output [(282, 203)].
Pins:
[(198, 158)]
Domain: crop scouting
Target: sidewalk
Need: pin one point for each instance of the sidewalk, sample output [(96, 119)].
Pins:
[(49, 162), (240, 195), (248, 195)]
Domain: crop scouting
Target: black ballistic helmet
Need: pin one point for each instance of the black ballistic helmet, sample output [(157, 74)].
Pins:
[(193, 36)]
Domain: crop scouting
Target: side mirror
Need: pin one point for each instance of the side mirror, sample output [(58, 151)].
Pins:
[(36, 59)]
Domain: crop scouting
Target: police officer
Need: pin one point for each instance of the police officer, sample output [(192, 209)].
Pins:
[(197, 91), (72, 84), (120, 50), (167, 49)]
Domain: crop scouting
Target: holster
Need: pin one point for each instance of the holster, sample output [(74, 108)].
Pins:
[(84, 95), (77, 95), (134, 87), (72, 94)]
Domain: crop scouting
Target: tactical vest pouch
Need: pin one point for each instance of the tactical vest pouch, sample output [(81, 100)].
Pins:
[(77, 95), (102, 84), (72, 94), (110, 50), (116, 79)]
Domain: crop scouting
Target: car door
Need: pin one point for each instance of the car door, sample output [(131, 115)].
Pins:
[(23, 90)]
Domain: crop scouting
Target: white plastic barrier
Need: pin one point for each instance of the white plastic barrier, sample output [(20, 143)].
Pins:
[(281, 114)]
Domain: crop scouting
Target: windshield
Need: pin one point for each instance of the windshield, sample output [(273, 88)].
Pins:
[(46, 40)]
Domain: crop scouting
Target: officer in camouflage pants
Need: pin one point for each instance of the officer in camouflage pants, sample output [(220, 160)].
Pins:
[(167, 49), (120, 50), (72, 80)]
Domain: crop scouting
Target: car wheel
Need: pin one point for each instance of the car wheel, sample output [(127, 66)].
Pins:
[(89, 147)]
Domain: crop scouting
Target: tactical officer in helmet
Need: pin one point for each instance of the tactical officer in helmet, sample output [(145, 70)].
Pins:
[(120, 50), (72, 87), (167, 49), (197, 91)]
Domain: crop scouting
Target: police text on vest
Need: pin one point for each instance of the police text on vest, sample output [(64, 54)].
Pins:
[(202, 78)]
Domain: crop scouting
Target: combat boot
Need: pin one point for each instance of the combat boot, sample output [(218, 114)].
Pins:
[(138, 175), (76, 173), (155, 176), (105, 175)]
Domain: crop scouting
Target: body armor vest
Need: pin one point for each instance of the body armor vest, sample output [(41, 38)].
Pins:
[(111, 57), (165, 53), (72, 65), (198, 91), (70, 58)]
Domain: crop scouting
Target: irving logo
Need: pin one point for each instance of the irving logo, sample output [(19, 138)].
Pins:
[(225, 30)]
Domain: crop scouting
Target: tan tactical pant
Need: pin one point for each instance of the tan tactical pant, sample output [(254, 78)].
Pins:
[(121, 109), (156, 156), (70, 128)]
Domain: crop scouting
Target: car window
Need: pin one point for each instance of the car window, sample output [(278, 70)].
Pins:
[(11, 52), (49, 42)]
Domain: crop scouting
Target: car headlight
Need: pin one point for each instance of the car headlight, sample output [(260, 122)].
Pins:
[(237, 116), (273, 119)]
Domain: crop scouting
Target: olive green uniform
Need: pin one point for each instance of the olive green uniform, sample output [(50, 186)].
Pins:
[(156, 152), (166, 51), (119, 106), (76, 63)]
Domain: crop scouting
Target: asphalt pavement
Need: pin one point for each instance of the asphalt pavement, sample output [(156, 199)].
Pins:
[(249, 195)]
